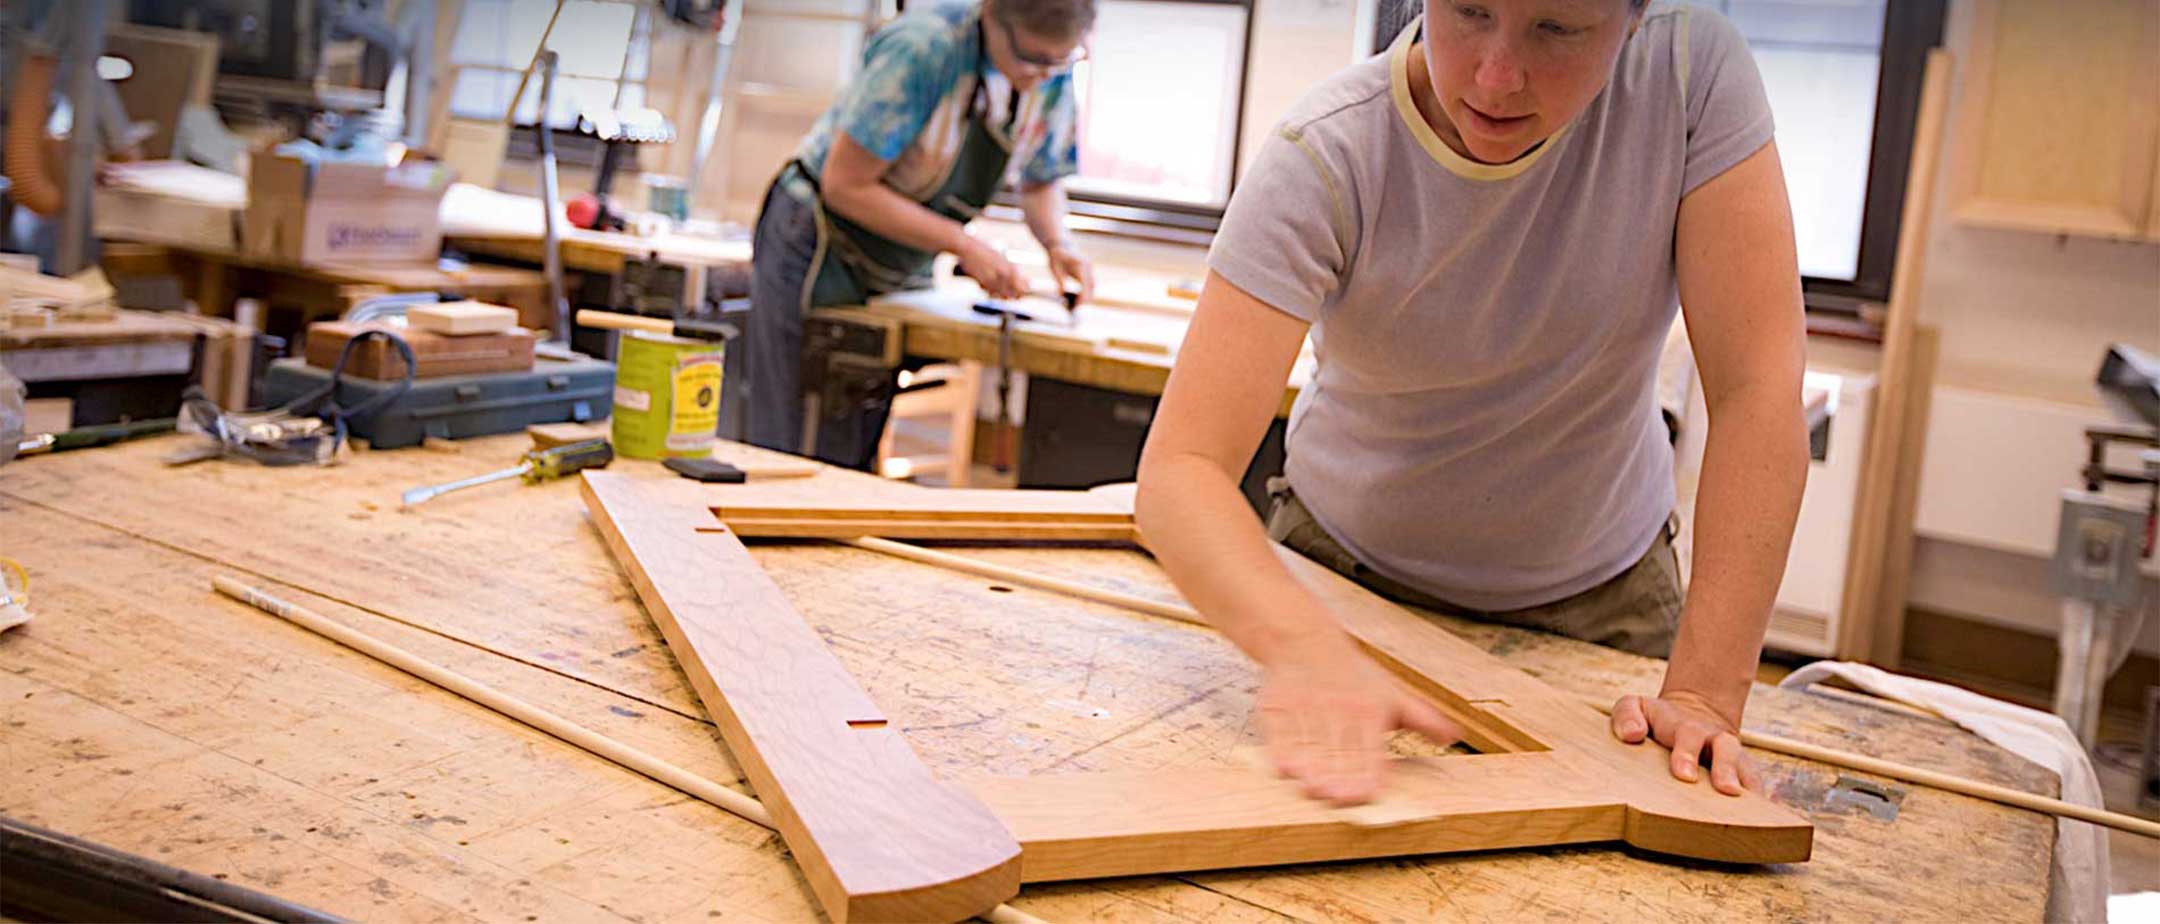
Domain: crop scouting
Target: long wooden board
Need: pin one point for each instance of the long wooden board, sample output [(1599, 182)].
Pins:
[(790, 512), (958, 505), (877, 836), (989, 530)]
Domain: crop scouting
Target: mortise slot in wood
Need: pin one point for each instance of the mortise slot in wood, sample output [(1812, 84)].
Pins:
[(877, 836), (1483, 732), (866, 723)]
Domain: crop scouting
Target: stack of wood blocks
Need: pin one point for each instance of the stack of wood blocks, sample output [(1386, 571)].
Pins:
[(452, 338), (33, 299)]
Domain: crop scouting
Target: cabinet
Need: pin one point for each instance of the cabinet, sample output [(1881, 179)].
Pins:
[(2058, 119)]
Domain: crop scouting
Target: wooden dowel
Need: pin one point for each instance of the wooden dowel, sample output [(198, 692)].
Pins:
[(1937, 780), (1175, 611), (1956, 784), (623, 755), (510, 117), (616, 320), (1767, 742)]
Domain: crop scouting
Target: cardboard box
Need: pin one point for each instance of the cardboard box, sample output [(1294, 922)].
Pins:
[(343, 213), (438, 355)]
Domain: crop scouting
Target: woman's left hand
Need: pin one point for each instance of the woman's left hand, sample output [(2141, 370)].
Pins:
[(1070, 268), (1694, 729)]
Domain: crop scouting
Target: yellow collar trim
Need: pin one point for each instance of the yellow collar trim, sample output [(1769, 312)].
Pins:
[(1399, 86)]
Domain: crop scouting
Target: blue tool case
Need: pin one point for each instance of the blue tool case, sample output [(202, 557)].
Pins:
[(458, 406)]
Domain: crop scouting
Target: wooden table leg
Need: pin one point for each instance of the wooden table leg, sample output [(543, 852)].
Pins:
[(213, 294)]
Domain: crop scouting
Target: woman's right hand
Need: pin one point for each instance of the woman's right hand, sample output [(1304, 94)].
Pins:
[(998, 277), (1326, 710)]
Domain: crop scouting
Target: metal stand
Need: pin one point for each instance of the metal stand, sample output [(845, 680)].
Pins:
[(709, 120), (550, 203), (2097, 549), (86, 42)]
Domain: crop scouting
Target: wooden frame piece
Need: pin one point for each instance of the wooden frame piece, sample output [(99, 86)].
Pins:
[(847, 793), (951, 514), (878, 837)]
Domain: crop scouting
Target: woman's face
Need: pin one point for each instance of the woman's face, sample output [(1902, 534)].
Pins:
[(1510, 73), (1023, 57)]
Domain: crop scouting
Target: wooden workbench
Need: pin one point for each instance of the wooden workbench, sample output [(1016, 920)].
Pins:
[(213, 277), (143, 711), (1124, 347)]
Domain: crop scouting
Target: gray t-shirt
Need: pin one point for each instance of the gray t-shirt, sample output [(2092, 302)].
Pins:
[(1482, 425)]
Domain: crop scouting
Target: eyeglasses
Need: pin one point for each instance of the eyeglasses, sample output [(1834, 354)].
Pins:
[(1043, 63)]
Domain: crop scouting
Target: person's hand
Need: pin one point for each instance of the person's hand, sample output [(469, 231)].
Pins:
[(989, 268), (1694, 729), (1071, 269), (1326, 710)]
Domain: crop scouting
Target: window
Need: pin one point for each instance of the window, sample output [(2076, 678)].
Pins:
[(1162, 97), (602, 47), (1159, 102), (1843, 78), (1819, 64)]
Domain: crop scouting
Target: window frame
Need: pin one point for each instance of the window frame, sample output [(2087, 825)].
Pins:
[(1911, 28), (571, 148)]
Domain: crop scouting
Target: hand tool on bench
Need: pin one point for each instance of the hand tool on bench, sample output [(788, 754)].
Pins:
[(98, 435), (1001, 454), (679, 327), (1069, 298), (539, 465)]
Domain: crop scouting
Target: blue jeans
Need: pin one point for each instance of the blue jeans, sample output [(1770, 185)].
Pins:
[(762, 387)]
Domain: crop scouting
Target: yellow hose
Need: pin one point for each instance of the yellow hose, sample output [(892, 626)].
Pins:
[(28, 108), (21, 586)]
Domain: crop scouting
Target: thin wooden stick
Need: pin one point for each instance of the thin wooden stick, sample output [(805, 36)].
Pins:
[(623, 755), (1767, 742), (1957, 784), (510, 117), (977, 566)]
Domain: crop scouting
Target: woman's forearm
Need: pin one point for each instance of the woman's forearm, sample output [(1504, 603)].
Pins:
[(1200, 527), (1754, 469), (1045, 208)]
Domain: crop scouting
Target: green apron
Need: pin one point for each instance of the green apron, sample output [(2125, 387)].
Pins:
[(853, 263)]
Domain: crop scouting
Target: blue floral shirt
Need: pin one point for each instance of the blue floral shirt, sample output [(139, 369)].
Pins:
[(912, 100)]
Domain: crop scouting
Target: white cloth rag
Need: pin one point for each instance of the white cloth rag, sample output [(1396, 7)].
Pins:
[(2078, 883)]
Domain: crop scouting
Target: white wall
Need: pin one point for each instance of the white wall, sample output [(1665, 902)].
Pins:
[(2025, 318), (1296, 44)]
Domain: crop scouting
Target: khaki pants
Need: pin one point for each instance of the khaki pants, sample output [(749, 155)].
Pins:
[(1638, 610)]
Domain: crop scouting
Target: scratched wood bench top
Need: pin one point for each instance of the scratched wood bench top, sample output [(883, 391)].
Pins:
[(142, 711)]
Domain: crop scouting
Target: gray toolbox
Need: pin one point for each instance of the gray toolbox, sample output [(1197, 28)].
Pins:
[(458, 406)]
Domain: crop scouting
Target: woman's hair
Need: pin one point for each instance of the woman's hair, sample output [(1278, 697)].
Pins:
[(1051, 19), (1415, 6)]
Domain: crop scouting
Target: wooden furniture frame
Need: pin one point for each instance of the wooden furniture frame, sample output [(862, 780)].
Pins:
[(878, 837)]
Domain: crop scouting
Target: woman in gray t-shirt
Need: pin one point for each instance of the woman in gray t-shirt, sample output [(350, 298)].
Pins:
[(1486, 231)]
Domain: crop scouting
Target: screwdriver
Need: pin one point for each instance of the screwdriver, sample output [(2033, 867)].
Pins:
[(539, 465)]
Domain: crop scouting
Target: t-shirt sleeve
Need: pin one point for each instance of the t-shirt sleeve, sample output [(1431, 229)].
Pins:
[(1728, 114), (1289, 232), (904, 75), (1059, 154)]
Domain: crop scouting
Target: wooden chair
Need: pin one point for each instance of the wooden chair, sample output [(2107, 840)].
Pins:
[(946, 393)]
